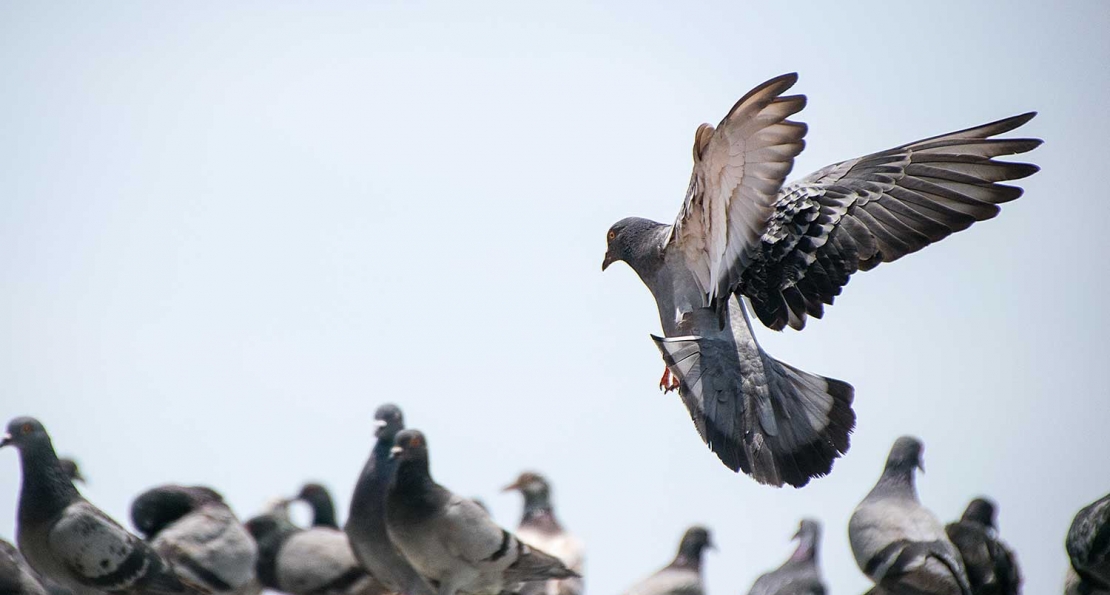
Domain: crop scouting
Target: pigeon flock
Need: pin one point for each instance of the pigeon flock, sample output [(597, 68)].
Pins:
[(744, 240)]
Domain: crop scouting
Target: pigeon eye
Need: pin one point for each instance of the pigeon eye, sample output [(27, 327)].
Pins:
[(612, 235), (26, 429)]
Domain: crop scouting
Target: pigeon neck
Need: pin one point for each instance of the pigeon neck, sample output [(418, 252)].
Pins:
[(687, 561), (537, 508), (46, 489), (807, 549), (414, 487), (323, 510), (898, 481)]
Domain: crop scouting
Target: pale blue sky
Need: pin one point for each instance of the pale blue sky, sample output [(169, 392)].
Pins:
[(229, 232)]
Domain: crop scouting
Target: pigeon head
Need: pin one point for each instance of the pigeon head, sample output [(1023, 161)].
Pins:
[(693, 543), (809, 533), (72, 471), (158, 508), (409, 445), (629, 240), (313, 491), (388, 420), (980, 510), (24, 433), (905, 455), (532, 485)]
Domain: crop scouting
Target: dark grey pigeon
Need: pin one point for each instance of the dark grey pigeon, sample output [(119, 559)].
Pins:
[(1088, 546), (540, 529), (897, 542), (366, 520), (449, 539), (683, 575), (16, 577), (198, 533), (992, 568), (799, 575), (313, 561), (319, 500), (68, 540), (790, 250), (70, 468)]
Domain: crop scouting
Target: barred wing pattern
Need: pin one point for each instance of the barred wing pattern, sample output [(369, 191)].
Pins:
[(859, 213)]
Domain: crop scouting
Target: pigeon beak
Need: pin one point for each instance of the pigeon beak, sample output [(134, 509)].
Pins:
[(395, 452), (380, 423), (711, 545), (608, 261), (6, 440), (921, 465), (511, 487)]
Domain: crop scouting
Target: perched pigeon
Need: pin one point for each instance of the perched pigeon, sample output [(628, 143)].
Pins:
[(789, 250), (897, 542), (16, 577), (319, 499), (366, 520), (449, 539), (68, 540), (198, 533), (991, 567), (314, 561), (799, 575), (683, 575), (1088, 545), (70, 468), (540, 529)]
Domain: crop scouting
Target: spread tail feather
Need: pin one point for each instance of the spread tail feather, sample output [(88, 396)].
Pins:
[(759, 415)]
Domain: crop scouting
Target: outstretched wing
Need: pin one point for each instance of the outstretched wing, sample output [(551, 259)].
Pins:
[(859, 213), (739, 168)]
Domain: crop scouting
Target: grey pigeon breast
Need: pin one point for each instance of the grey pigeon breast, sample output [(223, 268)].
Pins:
[(211, 547)]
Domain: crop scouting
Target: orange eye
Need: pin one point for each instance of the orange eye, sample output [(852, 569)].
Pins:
[(26, 429), (612, 235), (416, 441)]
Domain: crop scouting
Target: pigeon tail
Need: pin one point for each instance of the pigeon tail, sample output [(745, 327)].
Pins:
[(759, 415)]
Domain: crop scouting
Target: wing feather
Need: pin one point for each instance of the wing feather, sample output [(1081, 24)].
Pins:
[(859, 213)]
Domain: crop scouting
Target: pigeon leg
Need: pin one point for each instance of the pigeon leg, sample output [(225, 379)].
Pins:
[(668, 382)]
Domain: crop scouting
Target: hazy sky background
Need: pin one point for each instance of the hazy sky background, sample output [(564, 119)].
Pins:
[(229, 232)]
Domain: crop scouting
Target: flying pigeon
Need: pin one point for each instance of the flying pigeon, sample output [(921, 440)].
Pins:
[(366, 520), (313, 561), (449, 539), (1088, 546), (799, 575), (897, 542), (790, 250), (70, 468), (16, 577), (68, 540), (319, 499), (683, 575), (991, 567), (540, 529), (198, 533)]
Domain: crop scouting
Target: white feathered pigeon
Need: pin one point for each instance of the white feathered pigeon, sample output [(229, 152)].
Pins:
[(683, 575), (68, 540), (366, 520), (799, 575), (449, 539), (789, 250), (540, 529), (897, 542), (197, 532)]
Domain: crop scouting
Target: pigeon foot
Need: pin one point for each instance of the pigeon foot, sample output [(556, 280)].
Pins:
[(668, 382)]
